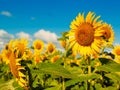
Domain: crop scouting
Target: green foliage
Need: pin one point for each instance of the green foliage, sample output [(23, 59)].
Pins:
[(82, 77), (5, 73), (53, 69), (6, 85), (109, 65)]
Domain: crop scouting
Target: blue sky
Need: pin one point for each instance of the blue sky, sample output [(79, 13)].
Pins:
[(53, 16)]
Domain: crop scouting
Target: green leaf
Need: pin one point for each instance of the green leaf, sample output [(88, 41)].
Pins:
[(15, 84), (113, 76), (54, 88), (82, 77), (82, 88), (108, 88), (54, 69), (98, 86), (7, 85), (18, 88), (109, 65)]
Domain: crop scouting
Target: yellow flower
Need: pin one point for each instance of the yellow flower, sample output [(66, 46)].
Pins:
[(108, 33), (84, 36), (6, 55), (51, 47), (11, 55), (20, 46), (37, 58), (55, 58), (27, 55), (116, 51), (38, 45), (63, 43)]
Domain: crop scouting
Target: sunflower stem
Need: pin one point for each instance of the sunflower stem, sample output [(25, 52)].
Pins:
[(89, 72), (63, 84)]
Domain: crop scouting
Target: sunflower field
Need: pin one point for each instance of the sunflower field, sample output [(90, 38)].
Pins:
[(89, 60)]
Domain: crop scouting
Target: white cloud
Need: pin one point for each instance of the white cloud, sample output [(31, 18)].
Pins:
[(1, 45), (46, 36), (24, 35), (4, 37), (6, 13)]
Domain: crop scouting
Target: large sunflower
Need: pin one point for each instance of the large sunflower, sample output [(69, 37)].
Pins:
[(85, 34)]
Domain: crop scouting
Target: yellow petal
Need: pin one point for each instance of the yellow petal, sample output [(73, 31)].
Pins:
[(18, 63), (22, 80), (21, 74), (21, 84), (21, 68)]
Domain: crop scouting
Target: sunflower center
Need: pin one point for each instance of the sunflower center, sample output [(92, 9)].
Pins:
[(107, 33), (51, 49), (38, 46), (85, 34)]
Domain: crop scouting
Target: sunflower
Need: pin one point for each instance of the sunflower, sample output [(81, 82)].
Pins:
[(108, 34), (63, 43), (116, 51), (51, 48), (20, 45), (85, 34), (37, 57), (55, 58), (6, 52), (16, 68), (27, 55), (38, 45)]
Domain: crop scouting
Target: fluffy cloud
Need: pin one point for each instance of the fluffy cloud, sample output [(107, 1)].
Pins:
[(4, 37), (1, 45), (6, 13), (24, 35), (46, 36)]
